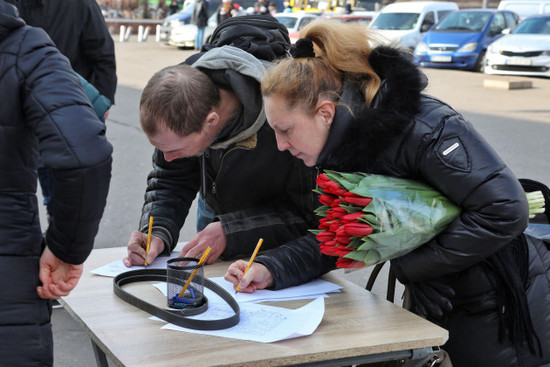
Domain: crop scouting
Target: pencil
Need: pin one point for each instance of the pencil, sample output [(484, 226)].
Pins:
[(148, 239), (202, 259), (251, 260)]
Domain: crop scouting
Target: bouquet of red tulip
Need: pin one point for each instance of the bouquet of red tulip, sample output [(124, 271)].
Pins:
[(369, 218), (373, 218)]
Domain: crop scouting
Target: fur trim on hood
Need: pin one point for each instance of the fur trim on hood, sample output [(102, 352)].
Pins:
[(359, 133)]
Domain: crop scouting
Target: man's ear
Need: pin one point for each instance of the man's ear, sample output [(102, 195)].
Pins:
[(326, 111), (212, 120)]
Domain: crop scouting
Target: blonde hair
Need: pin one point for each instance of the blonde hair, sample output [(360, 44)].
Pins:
[(342, 51)]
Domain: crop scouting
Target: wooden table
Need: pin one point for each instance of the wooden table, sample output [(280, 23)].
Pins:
[(357, 327)]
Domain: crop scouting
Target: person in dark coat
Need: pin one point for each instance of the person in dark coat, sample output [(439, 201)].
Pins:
[(78, 29), (200, 19), (225, 11), (43, 109), (355, 108), (207, 123)]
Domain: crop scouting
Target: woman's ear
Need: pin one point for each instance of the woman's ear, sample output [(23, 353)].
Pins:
[(326, 111)]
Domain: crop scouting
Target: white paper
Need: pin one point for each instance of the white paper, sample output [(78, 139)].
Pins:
[(314, 289), (117, 267), (261, 323)]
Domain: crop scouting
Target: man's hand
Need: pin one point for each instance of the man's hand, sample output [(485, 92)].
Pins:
[(137, 245), (58, 278), (212, 235), (257, 277)]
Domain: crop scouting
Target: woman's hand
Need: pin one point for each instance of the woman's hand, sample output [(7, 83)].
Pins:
[(257, 277)]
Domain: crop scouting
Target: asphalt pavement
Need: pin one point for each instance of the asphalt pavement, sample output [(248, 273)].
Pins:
[(516, 122)]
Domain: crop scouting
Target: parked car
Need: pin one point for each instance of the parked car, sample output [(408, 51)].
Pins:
[(526, 51), (183, 17), (294, 22), (364, 17), (408, 21), (184, 35), (526, 8), (460, 40)]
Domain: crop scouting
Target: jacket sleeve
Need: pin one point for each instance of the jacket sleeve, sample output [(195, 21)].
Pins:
[(98, 47), (72, 144), (171, 189), (283, 220), (296, 262), (457, 161)]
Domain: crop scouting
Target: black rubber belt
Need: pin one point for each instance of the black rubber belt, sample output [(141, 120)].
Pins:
[(176, 317)]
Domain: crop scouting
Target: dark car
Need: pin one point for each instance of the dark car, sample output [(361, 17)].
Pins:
[(460, 40)]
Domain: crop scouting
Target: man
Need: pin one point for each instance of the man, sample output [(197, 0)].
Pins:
[(200, 19), (43, 109), (208, 126), (78, 30)]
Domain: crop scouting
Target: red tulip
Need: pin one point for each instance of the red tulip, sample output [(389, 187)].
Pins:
[(321, 180), (342, 250), (334, 225), (345, 263), (356, 199), (338, 212), (327, 199), (357, 229), (325, 236), (352, 217), (336, 203)]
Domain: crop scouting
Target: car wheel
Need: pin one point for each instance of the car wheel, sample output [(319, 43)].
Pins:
[(480, 63)]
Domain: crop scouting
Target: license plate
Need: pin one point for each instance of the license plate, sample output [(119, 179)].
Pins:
[(518, 61), (440, 58)]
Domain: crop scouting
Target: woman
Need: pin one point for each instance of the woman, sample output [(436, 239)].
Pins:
[(340, 104)]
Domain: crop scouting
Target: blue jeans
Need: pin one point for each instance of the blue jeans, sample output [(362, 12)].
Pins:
[(205, 214), (46, 183), (199, 38)]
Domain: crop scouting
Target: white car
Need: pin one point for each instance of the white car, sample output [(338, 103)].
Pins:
[(525, 51), (294, 22), (184, 35)]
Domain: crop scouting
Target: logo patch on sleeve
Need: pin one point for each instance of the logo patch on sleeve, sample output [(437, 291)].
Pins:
[(452, 153)]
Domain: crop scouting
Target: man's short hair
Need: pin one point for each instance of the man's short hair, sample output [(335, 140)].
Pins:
[(180, 97)]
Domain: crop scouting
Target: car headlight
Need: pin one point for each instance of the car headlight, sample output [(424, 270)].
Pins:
[(421, 47), (492, 50), (469, 47)]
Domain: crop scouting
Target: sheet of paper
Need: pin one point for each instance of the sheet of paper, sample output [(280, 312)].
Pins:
[(261, 323), (314, 289), (117, 267), (311, 289)]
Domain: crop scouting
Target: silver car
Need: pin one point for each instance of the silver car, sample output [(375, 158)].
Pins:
[(525, 51)]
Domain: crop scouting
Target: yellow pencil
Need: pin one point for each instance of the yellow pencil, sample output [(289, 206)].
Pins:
[(251, 260), (148, 239), (202, 259)]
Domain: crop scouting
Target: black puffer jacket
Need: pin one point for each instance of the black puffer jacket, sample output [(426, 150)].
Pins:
[(254, 189), (78, 30), (43, 108), (411, 135)]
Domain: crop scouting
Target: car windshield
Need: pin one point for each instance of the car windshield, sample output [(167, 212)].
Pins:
[(533, 26), (396, 21), (289, 22), (464, 21)]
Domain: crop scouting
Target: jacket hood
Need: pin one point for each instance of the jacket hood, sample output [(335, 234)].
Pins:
[(9, 19), (243, 63), (358, 134)]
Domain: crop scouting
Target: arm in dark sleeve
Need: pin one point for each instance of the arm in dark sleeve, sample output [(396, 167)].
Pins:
[(72, 143), (494, 205), (284, 219), (98, 47), (296, 262), (171, 189)]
